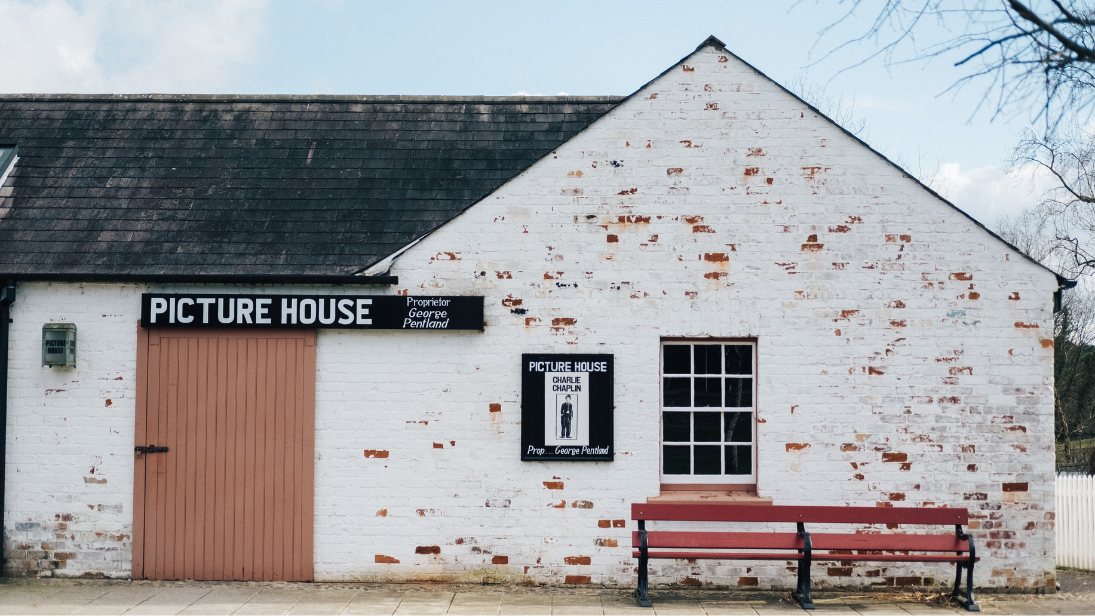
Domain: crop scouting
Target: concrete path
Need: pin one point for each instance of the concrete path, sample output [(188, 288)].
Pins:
[(210, 598)]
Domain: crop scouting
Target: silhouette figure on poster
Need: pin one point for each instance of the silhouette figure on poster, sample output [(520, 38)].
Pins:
[(566, 414)]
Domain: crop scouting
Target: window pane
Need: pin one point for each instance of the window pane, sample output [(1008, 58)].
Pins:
[(675, 426), (708, 392), (739, 359), (739, 427), (707, 358), (707, 460), (677, 359), (676, 391), (675, 459), (706, 427), (739, 392), (739, 459)]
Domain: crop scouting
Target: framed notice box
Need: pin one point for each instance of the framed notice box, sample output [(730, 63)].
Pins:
[(566, 407)]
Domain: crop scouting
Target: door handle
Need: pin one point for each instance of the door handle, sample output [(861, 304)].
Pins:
[(150, 449)]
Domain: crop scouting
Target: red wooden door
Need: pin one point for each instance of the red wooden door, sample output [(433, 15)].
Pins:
[(232, 498)]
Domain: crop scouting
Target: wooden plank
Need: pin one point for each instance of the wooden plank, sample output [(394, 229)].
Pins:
[(196, 571), (140, 436), (716, 540), (268, 455), (297, 453), (279, 469), (907, 558), (239, 533), (918, 543), (176, 453), (250, 458), (189, 437), (209, 550), (788, 513), (158, 541), (221, 546), (309, 462), (788, 556)]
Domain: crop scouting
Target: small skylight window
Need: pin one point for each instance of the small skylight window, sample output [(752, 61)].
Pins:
[(8, 154)]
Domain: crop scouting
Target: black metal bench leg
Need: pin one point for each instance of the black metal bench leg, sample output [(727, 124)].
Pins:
[(642, 593), (966, 600), (802, 592), (957, 592)]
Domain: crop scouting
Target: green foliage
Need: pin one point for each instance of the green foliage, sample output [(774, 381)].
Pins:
[(1074, 390)]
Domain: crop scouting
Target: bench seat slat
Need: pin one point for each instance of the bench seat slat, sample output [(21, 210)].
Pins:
[(905, 558), (733, 541), (723, 555), (707, 512), (915, 543)]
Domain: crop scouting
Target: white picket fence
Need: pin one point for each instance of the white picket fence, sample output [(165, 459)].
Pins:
[(1076, 521)]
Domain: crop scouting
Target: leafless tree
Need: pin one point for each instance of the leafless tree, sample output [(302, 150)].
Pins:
[(1031, 54)]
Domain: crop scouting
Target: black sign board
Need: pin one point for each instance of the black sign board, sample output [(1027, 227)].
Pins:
[(566, 407), (312, 311)]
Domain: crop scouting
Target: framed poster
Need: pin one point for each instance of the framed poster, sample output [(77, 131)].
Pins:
[(566, 407)]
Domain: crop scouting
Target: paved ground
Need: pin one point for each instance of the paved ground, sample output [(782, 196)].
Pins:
[(1077, 596)]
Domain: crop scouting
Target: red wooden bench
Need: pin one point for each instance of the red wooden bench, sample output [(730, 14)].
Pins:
[(801, 546)]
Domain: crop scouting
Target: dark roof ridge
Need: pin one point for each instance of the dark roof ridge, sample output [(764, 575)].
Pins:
[(318, 98)]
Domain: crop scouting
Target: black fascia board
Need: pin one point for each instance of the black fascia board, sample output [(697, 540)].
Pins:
[(311, 279)]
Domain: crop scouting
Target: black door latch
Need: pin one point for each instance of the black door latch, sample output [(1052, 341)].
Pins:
[(150, 449)]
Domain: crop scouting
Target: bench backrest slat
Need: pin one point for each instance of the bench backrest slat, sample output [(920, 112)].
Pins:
[(894, 543), (786, 513), (735, 541)]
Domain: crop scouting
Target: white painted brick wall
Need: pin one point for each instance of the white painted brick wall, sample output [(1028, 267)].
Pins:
[(871, 348)]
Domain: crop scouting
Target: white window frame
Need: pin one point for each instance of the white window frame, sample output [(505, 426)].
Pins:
[(693, 480)]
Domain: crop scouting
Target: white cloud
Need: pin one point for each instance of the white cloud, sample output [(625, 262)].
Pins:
[(527, 93), (987, 193), (121, 46)]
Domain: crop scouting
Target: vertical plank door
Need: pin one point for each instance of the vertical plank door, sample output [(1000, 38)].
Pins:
[(232, 498)]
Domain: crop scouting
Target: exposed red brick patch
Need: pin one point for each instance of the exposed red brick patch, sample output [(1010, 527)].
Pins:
[(562, 504), (446, 256), (896, 496), (715, 257), (577, 560), (687, 69), (692, 219), (383, 513), (690, 581), (975, 496), (1047, 343), (797, 446), (499, 560), (563, 322), (840, 571), (971, 468), (900, 323), (958, 370), (751, 171), (748, 581), (613, 239), (1021, 325), (1015, 487), (969, 448), (895, 304), (873, 370), (608, 543), (553, 485), (840, 229), (530, 320), (844, 314), (576, 579), (849, 447), (975, 295), (702, 229), (629, 191), (752, 151), (619, 523), (1014, 296), (961, 276), (715, 275), (438, 445), (428, 549), (895, 457), (495, 407), (769, 181), (905, 466), (582, 504), (674, 171), (376, 453), (604, 523), (109, 402), (380, 558), (510, 303)]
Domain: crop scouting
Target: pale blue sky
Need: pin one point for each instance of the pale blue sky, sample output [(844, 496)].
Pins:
[(499, 48)]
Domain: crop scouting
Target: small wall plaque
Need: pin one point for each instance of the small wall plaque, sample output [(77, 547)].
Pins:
[(59, 344)]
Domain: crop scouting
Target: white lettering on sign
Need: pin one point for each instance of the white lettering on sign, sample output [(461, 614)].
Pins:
[(230, 316), (171, 311), (205, 301), (362, 312), (344, 306), (244, 306), (159, 306), (307, 311), (185, 301), (288, 311), (262, 308), (568, 366), (325, 318)]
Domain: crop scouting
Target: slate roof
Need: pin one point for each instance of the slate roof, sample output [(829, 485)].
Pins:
[(277, 185)]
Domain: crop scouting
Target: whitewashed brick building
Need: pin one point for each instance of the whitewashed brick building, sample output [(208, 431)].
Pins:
[(893, 352)]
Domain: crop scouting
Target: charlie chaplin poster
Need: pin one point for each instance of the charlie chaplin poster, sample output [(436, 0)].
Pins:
[(566, 407)]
